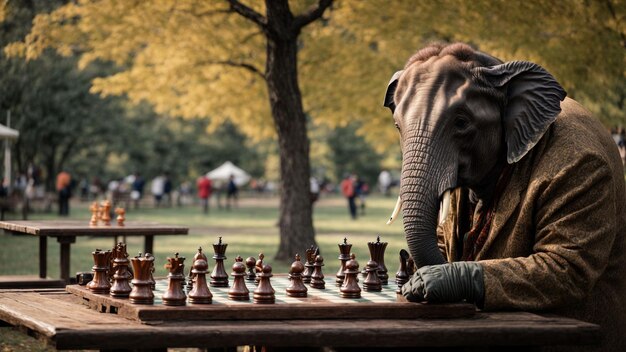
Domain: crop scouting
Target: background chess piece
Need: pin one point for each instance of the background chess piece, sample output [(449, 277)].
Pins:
[(297, 287), (105, 213), (258, 268), (143, 266), (310, 254), (401, 275), (350, 288), (250, 264), (95, 217), (239, 291), (372, 282), (121, 216), (121, 275), (100, 283), (344, 256), (264, 293), (174, 295), (377, 254), (219, 277), (317, 278), (200, 293)]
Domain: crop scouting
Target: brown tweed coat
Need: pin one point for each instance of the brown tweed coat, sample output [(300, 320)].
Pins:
[(558, 239)]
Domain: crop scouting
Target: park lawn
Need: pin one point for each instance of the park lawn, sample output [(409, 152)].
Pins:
[(248, 230)]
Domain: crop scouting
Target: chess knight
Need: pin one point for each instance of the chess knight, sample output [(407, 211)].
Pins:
[(529, 189)]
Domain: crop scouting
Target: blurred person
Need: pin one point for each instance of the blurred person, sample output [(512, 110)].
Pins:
[(232, 193), (64, 192), (204, 186), (167, 189), (157, 188), (137, 187), (361, 189), (314, 189), (348, 191), (384, 182)]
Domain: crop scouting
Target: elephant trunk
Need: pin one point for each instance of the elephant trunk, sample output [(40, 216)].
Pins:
[(426, 175)]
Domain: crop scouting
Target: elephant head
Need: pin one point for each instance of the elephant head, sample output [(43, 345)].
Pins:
[(462, 116)]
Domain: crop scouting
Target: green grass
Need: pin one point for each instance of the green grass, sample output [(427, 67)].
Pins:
[(248, 230)]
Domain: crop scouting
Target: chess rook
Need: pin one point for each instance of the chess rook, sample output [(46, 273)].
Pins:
[(372, 282), (250, 262), (317, 278), (350, 288), (219, 278), (175, 296), (401, 275), (344, 256), (310, 253), (377, 254), (121, 277), (239, 291), (102, 262), (143, 282), (296, 287), (200, 293), (264, 293)]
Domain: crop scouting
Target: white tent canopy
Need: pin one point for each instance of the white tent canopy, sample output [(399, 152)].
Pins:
[(8, 133), (227, 169)]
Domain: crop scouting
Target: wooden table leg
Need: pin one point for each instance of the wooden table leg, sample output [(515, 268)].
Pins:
[(65, 256), (149, 244), (43, 257)]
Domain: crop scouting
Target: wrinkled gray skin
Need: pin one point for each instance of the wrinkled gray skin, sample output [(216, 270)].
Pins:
[(461, 118)]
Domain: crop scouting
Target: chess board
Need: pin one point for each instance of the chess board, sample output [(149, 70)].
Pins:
[(319, 304)]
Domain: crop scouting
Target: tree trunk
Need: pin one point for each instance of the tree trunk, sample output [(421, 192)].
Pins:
[(296, 223)]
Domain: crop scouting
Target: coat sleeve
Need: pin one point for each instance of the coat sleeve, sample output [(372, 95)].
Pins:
[(575, 229)]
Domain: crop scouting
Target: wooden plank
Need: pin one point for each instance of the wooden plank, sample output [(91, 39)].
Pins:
[(56, 228), (312, 307), (28, 281)]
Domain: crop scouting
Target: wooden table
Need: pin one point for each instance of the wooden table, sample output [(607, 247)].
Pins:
[(64, 322), (66, 232)]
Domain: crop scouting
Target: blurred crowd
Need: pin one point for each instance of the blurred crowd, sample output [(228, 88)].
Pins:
[(619, 136)]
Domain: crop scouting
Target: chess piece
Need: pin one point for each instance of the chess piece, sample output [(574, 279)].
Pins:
[(121, 216), (198, 256), (174, 295), (310, 253), (143, 266), (264, 293), (250, 264), (377, 254), (239, 291), (121, 275), (258, 268), (296, 288), (401, 275), (105, 213), (350, 288), (200, 293), (410, 266), (94, 214), (100, 282), (317, 278), (344, 256), (219, 278), (372, 282)]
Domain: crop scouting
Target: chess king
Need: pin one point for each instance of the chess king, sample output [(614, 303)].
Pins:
[(529, 189)]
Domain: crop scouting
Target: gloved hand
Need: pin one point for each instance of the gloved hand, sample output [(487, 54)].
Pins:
[(451, 282)]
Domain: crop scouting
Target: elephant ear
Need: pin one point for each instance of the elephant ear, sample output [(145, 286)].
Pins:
[(533, 101), (391, 90)]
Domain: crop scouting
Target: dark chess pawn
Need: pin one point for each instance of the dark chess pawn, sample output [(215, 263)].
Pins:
[(296, 288), (264, 293), (310, 254), (200, 293), (401, 275), (350, 288), (143, 267), (344, 256), (121, 275), (239, 291), (191, 277), (174, 295), (250, 262), (219, 278), (372, 282), (102, 262), (317, 278), (258, 268)]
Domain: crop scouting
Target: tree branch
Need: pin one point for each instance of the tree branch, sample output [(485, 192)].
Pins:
[(314, 12), (251, 68), (248, 13)]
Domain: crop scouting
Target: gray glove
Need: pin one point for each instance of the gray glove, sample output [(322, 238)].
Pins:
[(451, 282)]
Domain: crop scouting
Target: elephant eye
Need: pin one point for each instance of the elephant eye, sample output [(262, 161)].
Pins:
[(461, 122), (397, 126)]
